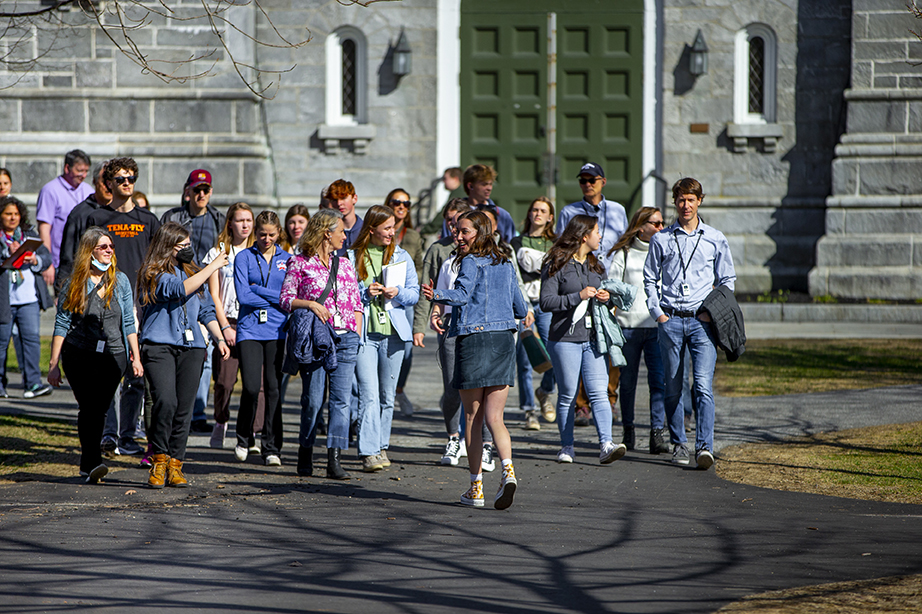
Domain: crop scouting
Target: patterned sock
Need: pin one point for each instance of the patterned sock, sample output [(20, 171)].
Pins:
[(507, 462)]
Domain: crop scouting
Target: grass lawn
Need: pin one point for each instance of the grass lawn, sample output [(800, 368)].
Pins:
[(12, 364), (789, 366)]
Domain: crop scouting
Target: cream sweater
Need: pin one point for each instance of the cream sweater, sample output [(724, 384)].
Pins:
[(638, 316)]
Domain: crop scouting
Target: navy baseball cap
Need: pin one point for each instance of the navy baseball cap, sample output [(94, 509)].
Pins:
[(591, 168)]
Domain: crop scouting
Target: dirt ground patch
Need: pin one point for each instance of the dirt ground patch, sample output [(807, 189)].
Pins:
[(894, 595)]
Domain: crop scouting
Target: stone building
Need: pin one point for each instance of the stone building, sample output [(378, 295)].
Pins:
[(804, 129)]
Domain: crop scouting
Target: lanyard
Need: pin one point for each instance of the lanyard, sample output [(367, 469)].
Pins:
[(377, 277), (675, 235), (259, 262)]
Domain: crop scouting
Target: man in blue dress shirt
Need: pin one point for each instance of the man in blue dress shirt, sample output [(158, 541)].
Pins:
[(691, 258), (611, 215)]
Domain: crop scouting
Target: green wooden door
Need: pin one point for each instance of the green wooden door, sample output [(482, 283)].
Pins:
[(595, 95)]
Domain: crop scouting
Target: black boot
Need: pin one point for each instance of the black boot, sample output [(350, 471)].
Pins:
[(628, 438), (334, 469), (305, 461), (658, 443)]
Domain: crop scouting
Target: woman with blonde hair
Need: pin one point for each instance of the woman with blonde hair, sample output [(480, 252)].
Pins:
[(95, 337), (319, 280), (173, 303), (387, 330), (236, 236)]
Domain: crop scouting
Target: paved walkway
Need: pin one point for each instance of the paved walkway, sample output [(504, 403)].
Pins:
[(636, 536)]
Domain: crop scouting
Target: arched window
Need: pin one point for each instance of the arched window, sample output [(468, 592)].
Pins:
[(347, 81), (755, 71)]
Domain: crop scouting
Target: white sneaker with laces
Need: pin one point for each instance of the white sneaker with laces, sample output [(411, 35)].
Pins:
[(487, 462), (452, 452), (273, 461), (566, 454), (241, 453), (611, 452)]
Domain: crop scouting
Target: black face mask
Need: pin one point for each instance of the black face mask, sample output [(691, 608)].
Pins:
[(185, 255)]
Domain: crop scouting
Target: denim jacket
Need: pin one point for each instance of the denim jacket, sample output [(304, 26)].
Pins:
[(407, 297), (487, 297)]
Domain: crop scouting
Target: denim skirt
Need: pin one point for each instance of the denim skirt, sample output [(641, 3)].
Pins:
[(484, 359)]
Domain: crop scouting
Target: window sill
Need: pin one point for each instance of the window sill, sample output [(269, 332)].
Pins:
[(742, 133), (335, 137)]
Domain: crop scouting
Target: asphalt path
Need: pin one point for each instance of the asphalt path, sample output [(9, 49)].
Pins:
[(639, 535)]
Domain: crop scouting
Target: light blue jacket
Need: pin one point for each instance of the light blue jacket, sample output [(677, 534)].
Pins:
[(487, 297), (166, 319), (63, 319), (608, 336), (407, 297)]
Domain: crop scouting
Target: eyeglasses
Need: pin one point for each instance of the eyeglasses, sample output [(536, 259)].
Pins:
[(400, 203), (108, 247), (121, 180), (585, 180), (657, 223), (202, 189), (184, 245)]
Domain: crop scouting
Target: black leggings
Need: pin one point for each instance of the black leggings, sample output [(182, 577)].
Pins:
[(94, 378), (261, 364), (172, 374)]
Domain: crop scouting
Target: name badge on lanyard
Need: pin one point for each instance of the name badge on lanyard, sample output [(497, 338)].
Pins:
[(382, 318), (686, 290), (189, 336)]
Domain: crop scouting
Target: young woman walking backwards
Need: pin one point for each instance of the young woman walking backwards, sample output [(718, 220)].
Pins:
[(485, 350), (173, 303), (569, 281), (258, 276)]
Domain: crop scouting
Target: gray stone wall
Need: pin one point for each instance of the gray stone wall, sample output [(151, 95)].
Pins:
[(769, 203), (85, 94), (401, 113), (873, 242)]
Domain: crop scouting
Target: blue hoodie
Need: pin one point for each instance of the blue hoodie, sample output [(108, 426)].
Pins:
[(258, 286)]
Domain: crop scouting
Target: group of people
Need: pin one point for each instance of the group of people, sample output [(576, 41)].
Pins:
[(342, 300)]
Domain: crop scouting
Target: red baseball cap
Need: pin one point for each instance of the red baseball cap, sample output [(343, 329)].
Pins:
[(198, 177)]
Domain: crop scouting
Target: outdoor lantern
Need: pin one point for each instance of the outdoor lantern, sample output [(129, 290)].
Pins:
[(402, 60), (698, 59)]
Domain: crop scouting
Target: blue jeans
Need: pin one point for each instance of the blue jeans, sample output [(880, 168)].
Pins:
[(523, 367), (377, 368), (571, 360), (637, 340), (27, 319), (675, 335), (313, 381)]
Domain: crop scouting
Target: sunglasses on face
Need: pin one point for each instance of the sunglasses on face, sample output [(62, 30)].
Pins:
[(400, 203), (108, 247), (585, 180), (657, 223), (122, 180), (201, 190)]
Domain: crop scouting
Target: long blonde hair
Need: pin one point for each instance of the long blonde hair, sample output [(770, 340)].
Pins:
[(159, 260), (640, 218), (75, 299), (227, 235)]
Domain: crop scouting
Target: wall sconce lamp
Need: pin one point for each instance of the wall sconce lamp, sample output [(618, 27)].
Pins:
[(698, 58), (402, 61)]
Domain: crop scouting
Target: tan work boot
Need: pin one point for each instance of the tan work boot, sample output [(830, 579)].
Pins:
[(174, 474), (158, 463)]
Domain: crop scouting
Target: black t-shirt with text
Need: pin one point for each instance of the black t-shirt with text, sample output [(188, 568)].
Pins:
[(132, 233)]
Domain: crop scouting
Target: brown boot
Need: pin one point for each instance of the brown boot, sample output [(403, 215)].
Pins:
[(174, 474), (158, 463)]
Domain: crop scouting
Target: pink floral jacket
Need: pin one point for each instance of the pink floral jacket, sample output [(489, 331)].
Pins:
[(306, 279)]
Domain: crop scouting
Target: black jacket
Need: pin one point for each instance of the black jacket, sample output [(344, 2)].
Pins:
[(726, 321), (74, 228)]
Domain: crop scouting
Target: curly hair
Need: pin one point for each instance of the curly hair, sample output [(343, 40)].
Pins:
[(117, 164), (24, 222)]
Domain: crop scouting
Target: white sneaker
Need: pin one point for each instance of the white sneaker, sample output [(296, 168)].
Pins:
[(406, 407), (705, 459), (273, 461), (611, 452), (548, 411), (240, 453), (452, 452), (566, 454), (463, 449), (254, 449), (487, 462)]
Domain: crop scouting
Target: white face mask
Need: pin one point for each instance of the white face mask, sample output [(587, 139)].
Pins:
[(99, 265)]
